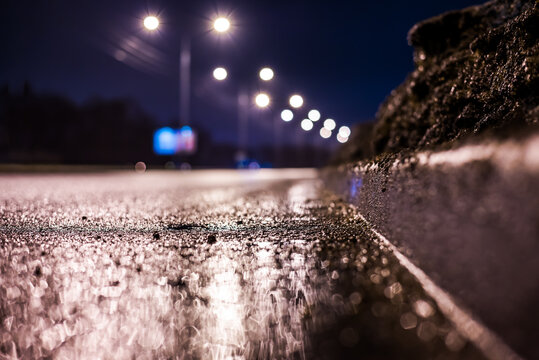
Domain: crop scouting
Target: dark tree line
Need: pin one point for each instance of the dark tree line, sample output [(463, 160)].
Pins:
[(52, 129)]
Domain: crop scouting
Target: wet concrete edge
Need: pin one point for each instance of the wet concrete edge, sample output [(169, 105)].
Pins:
[(468, 219)]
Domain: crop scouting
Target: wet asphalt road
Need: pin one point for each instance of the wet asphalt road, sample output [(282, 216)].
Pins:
[(203, 265)]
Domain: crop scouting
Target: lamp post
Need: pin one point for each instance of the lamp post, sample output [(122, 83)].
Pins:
[(220, 25), (262, 100)]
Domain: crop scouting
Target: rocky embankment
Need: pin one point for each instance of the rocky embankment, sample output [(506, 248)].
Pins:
[(476, 76)]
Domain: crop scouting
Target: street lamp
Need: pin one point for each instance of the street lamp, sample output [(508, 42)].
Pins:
[(314, 115), (262, 100), (344, 131), (151, 22), (221, 24), (325, 132), (296, 101), (287, 115), (341, 139), (220, 73), (330, 124), (306, 124), (266, 74)]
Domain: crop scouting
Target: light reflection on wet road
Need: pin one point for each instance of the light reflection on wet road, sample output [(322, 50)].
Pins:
[(209, 265)]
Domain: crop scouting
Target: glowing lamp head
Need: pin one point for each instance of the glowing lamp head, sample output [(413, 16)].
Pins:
[(325, 132), (341, 139), (151, 22), (262, 100), (220, 73), (266, 74), (306, 124), (330, 124), (221, 24), (344, 131), (287, 115), (314, 115), (296, 101)]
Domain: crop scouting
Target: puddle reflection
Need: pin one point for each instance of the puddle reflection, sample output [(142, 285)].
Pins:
[(228, 301)]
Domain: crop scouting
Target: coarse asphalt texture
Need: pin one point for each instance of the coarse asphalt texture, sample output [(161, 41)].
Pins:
[(203, 264)]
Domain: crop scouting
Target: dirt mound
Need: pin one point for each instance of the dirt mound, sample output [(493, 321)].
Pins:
[(476, 73)]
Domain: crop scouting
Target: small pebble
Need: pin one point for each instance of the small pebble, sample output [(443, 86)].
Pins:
[(211, 239), (37, 271), (156, 236)]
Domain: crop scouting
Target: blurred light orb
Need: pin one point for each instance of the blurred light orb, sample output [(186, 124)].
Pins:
[(330, 124), (120, 55), (344, 131), (287, 115), (186, 131), (220, 73), (151, 22), (306, 124), (185, 166), (221, 24), (262, 100), (253, 165), (314, 115), (325, 132), (296, 101), (140, 167), (341, 139), (165, 141), (266, 74)]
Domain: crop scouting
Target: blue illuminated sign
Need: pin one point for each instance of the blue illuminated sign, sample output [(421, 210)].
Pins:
[(165, 141), (168, 141)]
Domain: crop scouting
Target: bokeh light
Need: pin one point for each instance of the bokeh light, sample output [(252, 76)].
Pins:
[(220, 73), (165, 141), (344, 131), (266, 74), (287, 115), (262, 100), (221, 24), (314, 115), (185, 166), (140, 167), (306, 124), (325, 132), (151, 22), (330, 124), (341, 139), (296, 101), (186, 131), (186, 139)]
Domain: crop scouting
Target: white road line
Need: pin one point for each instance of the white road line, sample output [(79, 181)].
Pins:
[(473, 330)]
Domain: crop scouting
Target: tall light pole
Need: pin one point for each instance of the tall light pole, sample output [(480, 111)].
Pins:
[(262, 100), (185, 79), (220, 25)]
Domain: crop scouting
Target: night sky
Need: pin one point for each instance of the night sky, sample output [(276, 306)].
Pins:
[(344, 57)]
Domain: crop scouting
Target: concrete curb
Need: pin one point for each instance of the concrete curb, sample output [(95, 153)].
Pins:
[(469, 218)]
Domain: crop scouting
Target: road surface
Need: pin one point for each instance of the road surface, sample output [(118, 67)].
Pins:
[(204, 264)]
